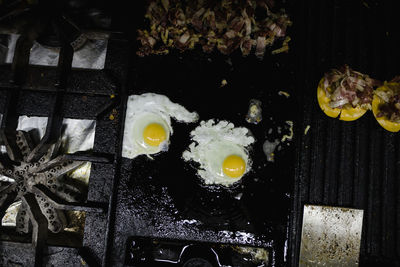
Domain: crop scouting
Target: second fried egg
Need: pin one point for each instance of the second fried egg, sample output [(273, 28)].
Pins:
[(221, 150)]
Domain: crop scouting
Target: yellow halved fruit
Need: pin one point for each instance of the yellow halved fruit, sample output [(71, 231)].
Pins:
[(234, 166), (384, 121), (346, 114), (154, 134)]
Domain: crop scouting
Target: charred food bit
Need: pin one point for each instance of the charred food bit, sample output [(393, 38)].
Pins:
[(289, 136), (225, 25), (254, 115), (269, 149), (284, 48), (306, 129), (283, 93), (223, 83)]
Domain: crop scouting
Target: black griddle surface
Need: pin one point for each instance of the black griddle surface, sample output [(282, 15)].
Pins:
[(163, 196), (348, 164)]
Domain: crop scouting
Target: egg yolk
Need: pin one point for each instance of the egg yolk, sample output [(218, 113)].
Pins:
[(154, 134), (233, 166)]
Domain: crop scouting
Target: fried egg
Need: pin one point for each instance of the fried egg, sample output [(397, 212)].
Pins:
[(148, 124), (221, 149)]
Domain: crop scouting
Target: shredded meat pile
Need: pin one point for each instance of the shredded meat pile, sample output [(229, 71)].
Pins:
[(391, 106), (225, 25), (346, 87)]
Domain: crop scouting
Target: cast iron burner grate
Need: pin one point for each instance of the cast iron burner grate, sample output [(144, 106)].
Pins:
[(38, 180), (39, 175), (37, 170)]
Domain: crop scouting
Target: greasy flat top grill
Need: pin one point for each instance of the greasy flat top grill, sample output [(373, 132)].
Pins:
[(143, 202), (348, 164)]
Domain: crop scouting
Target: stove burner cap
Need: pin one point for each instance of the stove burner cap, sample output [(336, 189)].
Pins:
[(197, 262)]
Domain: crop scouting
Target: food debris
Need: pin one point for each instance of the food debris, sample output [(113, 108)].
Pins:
[(113, 115), (112, 96), (223, 25), (365, 4), (306, 129), (284, 48), (290, 136), (238, 196), (223, 83), (254, 115), (283, 93), (269, 149), (259, 255)]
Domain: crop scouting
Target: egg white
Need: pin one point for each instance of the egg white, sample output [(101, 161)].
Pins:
[(143, 110), (212, 144), (136, 143)]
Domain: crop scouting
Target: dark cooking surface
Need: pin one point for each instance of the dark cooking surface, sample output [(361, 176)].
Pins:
[(352, 164), (163, 197), (159, 194)]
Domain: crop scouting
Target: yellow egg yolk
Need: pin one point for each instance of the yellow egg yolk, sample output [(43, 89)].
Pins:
[(233, 166), (154, 134)]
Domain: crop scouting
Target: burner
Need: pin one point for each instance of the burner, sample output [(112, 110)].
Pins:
[(45, 230), (41, 175), (143, 251)]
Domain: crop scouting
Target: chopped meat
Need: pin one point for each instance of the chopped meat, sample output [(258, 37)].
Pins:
[(260, 46), (225, 25), (346, 87), (390, 108)]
